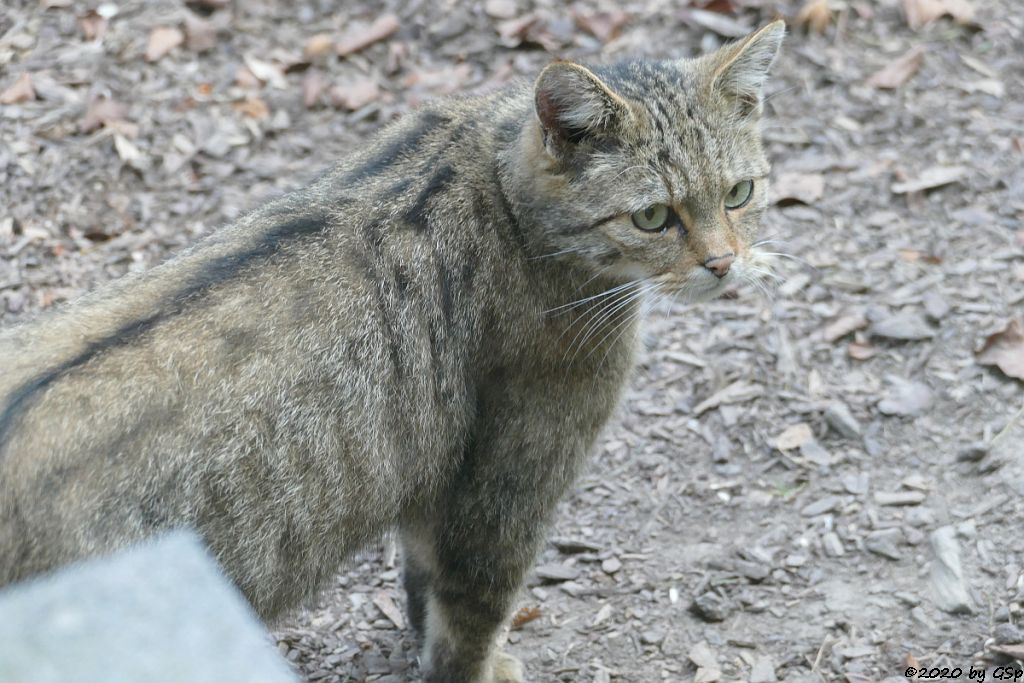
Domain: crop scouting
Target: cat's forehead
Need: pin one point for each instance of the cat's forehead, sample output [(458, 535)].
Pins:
[(679, 115)]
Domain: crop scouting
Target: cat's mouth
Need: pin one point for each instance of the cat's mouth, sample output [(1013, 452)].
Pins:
[(697, 285)]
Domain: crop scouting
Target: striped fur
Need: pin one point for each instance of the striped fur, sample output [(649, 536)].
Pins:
[(395, 346)]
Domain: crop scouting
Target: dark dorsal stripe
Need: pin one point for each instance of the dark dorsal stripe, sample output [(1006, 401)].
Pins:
[(400, 147), (216, 272), (416, 214)]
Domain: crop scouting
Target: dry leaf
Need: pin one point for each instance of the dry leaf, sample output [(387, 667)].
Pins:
[(720, 6), (719, 23), (604, 26), (318, 46), (266, 72), (357, 38), (162, 40), (129, 153), (794, 437), (253, 107), (312, 85), (514, 32), (524, 616), (815, 15), (20, 91), (355, 95), (921, 12), (899, 71), (93, 25), (936, 176), (793, 188), (1005, 350), (102, 112)]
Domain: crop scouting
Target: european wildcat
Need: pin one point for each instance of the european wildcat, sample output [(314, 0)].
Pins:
[(428, 338)]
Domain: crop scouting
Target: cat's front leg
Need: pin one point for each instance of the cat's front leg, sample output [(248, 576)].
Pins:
[(468, 555), (458, 598)]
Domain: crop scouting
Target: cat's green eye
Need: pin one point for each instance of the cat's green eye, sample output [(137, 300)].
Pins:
[(654, 217), (739, 195)]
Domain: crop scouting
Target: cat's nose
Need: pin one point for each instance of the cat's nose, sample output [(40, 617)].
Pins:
[(719, 265)]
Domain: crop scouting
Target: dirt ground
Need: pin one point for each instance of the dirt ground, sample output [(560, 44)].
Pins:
[(823, 483)]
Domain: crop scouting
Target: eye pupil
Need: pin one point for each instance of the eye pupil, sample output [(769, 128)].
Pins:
[(654, 217)]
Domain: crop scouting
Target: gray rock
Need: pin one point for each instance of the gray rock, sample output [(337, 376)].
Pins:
[(556, 573), (652, 637), (903, 326), (752, 570), (885, 542), (711, 607), (832, 544), (899, 497), (821, 506), (573, 546), (972, 452), (1008, 634), (947, 578), (164, 608), (763, 670), (842, 421), (905, 397), (935, 306)]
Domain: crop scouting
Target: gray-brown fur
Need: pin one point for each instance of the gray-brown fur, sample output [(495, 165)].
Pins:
[(392, 347)]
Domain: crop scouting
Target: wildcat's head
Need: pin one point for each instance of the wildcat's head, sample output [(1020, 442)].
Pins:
[(655, 170)]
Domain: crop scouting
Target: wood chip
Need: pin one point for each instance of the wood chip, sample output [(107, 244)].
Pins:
[(388, 607), (360, 37)]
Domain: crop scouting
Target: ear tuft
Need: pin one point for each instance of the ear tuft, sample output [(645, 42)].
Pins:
[(740, 69), (573, 104)]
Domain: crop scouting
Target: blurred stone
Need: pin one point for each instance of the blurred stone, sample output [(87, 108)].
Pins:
[(903, 326), (1007, 634), (711, 607), (840, 419), (947, 578), (164, 608), (885, 542)]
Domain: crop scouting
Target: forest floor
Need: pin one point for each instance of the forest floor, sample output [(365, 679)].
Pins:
[(823, 484)]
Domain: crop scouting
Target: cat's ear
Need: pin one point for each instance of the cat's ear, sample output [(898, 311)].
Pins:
[(739, 70), (573, 105)]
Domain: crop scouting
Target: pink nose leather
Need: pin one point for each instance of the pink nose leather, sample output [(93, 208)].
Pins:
[(719, 265)]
